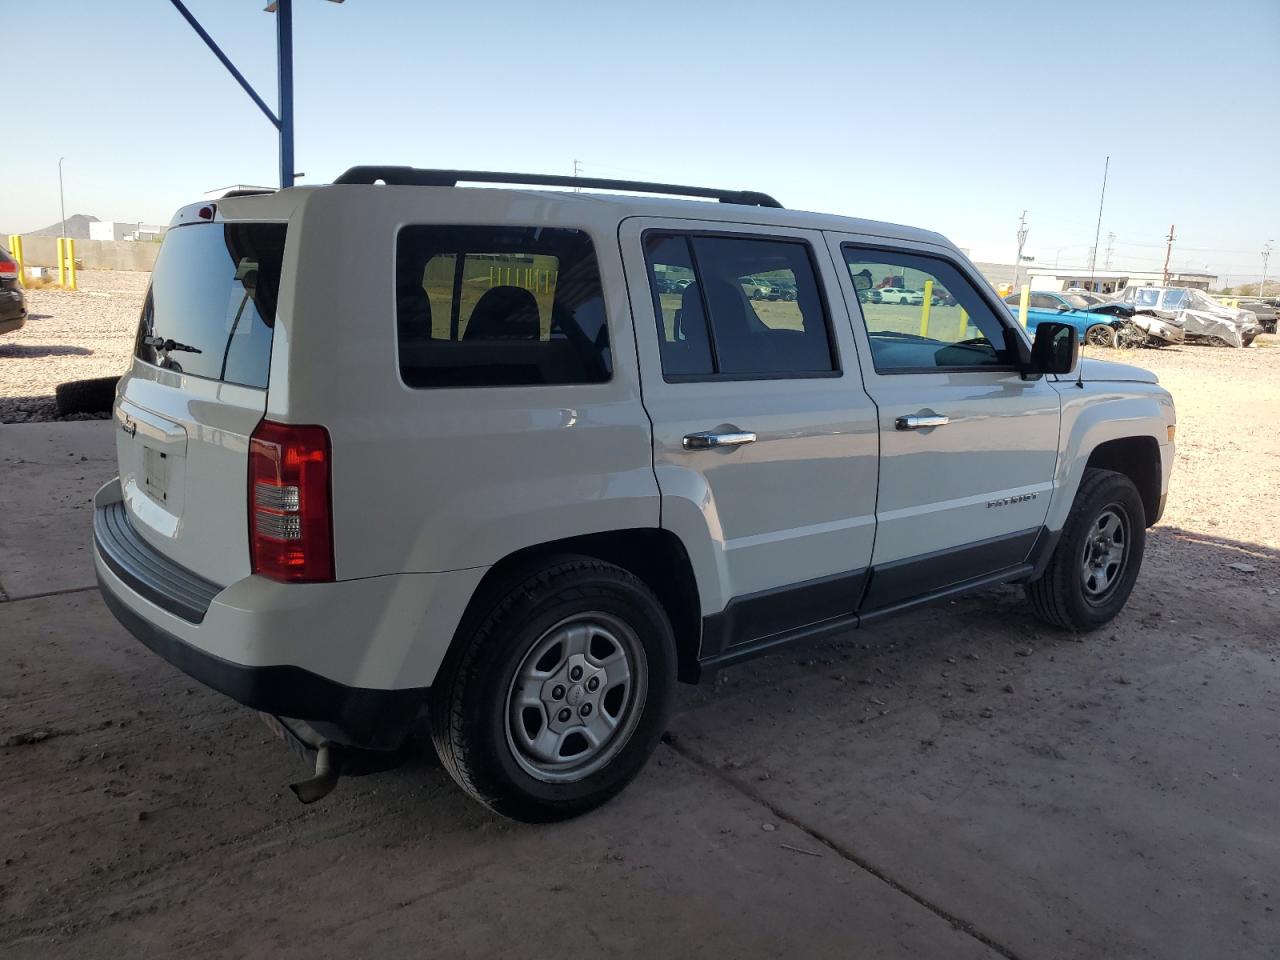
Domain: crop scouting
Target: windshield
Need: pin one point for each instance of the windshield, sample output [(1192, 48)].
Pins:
[(212, 303)]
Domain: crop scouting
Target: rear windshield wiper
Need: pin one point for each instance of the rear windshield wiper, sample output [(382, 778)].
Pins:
[(169, 346)]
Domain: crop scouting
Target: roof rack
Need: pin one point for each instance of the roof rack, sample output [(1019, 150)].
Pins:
[(414, 176)]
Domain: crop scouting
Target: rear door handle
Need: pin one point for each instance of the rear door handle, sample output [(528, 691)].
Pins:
[(914, 422), (709, 439)]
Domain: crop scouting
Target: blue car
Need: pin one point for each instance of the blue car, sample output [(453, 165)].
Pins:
[(1096, 329)]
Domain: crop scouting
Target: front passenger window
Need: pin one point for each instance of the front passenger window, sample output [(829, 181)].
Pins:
[(922, 315)]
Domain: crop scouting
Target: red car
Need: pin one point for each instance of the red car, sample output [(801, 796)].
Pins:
[(13, 306)]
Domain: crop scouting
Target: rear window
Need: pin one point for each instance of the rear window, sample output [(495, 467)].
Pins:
[(212, 303), (499, 306)]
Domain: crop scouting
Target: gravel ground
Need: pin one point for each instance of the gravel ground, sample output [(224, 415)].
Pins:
[(69, 336)]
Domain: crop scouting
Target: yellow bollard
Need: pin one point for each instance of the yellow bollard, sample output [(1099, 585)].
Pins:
[(62, 261), (1023, 302), (925, 307), (964, 324), (71, 264)]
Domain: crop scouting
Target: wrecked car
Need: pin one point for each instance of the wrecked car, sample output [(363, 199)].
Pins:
[(1201, 318)]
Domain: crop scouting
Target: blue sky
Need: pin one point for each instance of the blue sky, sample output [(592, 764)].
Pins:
[(953, 116)]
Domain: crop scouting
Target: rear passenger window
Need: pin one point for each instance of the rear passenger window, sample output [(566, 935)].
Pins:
[(737, 307), (499, 306)]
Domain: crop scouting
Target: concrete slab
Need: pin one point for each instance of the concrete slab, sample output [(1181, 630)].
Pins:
[(1115, 797), (50, 472), (145, 816)]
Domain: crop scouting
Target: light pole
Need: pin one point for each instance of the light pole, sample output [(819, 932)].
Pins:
[(283, 9), (62, 204)]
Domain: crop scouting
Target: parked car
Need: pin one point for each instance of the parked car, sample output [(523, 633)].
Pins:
[(1201, 317), (527, 513), (1265, 313), (13, 305), (914, 298), (1095, 328), (781, 289), (755, 288)]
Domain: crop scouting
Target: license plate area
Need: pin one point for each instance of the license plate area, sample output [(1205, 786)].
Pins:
[(155, 473)]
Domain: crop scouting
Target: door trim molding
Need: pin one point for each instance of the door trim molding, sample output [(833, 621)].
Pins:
[(762, 622)]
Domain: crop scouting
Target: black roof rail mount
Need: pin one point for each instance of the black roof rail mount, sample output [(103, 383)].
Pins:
[(417, 177)]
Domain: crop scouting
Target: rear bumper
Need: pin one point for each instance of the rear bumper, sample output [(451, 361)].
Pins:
[(353, 658), (376, 719), (10, 324)]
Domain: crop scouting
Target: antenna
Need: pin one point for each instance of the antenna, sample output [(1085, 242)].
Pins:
[(1106, 167)]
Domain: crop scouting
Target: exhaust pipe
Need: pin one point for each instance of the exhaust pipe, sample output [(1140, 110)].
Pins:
[(328, 769)]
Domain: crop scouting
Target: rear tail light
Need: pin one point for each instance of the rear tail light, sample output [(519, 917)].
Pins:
[(8, 269), (290, 515)]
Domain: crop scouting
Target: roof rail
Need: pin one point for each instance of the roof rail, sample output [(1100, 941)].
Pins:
[(414, 176)]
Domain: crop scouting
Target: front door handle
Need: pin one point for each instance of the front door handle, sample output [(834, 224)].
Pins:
[(710, 438), (914, 422)]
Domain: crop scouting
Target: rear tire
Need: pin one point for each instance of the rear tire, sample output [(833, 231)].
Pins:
[(86, 396), (1096, 562), (555, 700)]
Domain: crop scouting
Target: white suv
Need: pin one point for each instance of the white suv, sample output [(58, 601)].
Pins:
[(393, 449)]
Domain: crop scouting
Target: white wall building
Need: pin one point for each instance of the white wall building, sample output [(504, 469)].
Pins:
[(118, 230), (1058, 279)]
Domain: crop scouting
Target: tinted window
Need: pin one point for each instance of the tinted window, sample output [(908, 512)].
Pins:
[(737, 307), (921, 314), (677, 302), (214, 290), (499, 306)]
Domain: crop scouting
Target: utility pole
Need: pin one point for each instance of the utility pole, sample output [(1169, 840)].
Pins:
[(62, 204), (1093, 258), (1022, 239), (1168, 252), (1266, 255), (1111, 242), (577, 171)]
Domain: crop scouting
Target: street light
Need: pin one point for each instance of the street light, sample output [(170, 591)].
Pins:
[(283, 9), (62, 205)]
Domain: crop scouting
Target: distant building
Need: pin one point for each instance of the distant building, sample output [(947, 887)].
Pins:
[(1112, 281), (116, 230)]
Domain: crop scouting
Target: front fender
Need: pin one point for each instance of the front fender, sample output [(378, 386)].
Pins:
[(1100, 412)]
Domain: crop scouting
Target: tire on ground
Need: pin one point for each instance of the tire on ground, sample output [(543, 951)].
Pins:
[(86, 396), (1058, 595), (468, 704), (1100, 335)]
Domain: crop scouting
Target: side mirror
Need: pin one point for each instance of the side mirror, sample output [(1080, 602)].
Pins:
[(1056, 348), (1063, 308)]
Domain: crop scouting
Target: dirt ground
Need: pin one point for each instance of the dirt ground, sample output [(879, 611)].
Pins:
[(960, 782), (69, 335)]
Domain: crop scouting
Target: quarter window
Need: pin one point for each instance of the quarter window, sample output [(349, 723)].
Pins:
[(737, 307), (921, 314), (499, 306)]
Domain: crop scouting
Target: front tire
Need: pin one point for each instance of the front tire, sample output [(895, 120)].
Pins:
[(557, 698), (1100, 335), (1096, 562)]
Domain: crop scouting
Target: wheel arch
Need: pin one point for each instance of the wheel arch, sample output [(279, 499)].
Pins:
[(1138, 458), (654, 555)]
